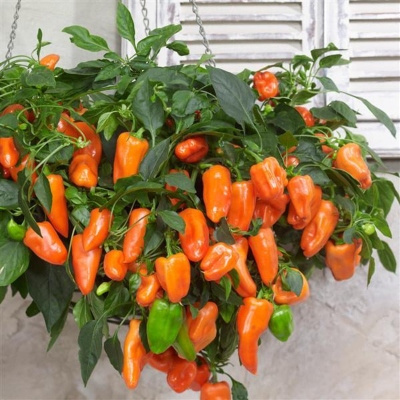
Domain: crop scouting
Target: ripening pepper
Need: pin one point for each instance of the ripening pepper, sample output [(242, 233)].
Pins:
[(265, 253), (217, 192), (66, 125), (163, 361), (202, 374), (218, 261), (148, 288), (183, 345), (175, 200), (282, 296), (85, 264), (94, 147), (165, 320), (50, 61), (349, 158), (134, 355), (301, 191), (291, 161), (114, 266), (281, 322), (27, 164), (96, 232), (215, 391), (270, 210), (252, 320), (192, 149), (306, 115), (173, 273), (129, 153), (181, 375), (134, 238), (247, 286), (49, 246), (266, 84), (269, 178), (318, 231), (243, 202), (342, 259), (16, 109), (9, 155), (58, 214), (195, 239), (203, 328), (325, 149), (83, 171), (5, 172)]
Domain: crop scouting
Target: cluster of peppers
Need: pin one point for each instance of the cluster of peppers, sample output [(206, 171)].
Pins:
[(174, 328)]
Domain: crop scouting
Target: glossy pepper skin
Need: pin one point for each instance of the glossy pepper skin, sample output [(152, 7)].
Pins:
[(282, 296), (173, 273), (94, 147), (342, 259), (148, 289), (9, 155), (247, 286), (85, 264), (266, 84), (217, 192), (318, 231), (175, 200), (215, 391), (66, 125), (202, 375), (218, 261), (301, 191), (271, 210), (134, 355), (95, 234), (252, 320), (134, 238), (129, 153), (49, 247), (83, 171), (350, 159), (203, 328), (114, 266), (50, 61), (195, 239), (243, 202), (192, 150), (27, 163), (163, 324), (58, 214), (306, 115), (281, 322), (16, 109), (269, 178), (265, 253), (163, 362), (181, 375)]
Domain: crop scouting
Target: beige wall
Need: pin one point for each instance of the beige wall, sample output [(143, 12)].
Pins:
[(346, 340)]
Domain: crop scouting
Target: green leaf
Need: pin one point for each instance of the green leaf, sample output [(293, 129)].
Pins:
[(14, 260), (108, 123), (371, 270), (90, 346), (387, 258), (145, 45), (227, 285), (154, 159), (173, 220), (344, 110), (239, 391), (180, 181), (316, 53), (294, 280), (57, 328), (387, 192), (223, 234), (109, 72), (8, 125), (3, 292), (303, 96), (185, 102), (8, 194), (125, 24), (226, 311), (116, 299), (112, 346), (235, 96), (287, 140), (82, 38), (43, 192), (32, 310), (287, 118), (81, 312), (380, 115), (330, 61), (327, 113), (219, 292), (152, 239), (179, 47), (134, 283), (328, 83), (383, 226), (51, 289), (165, 33), (40, 77)]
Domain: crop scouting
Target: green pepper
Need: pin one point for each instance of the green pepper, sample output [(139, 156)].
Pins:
[(183, 345), (281, 322), (163, 325), (15, 232)]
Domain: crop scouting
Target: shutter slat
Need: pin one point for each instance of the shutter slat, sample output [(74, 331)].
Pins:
[(244, 18)]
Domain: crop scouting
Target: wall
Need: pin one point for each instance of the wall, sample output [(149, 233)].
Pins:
[(346, 340)]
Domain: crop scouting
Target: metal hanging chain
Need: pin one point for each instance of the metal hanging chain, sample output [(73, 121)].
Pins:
[(13, 33), (202, 31), (146, 21)]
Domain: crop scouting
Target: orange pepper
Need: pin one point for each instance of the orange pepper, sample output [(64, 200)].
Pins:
[(175, 200), (58, 214), (94, 147), (266, 84), (9, 155), (202, 375), (191, 150), (114, 266), (27, 162), (83, 171), (148, 289), (98, 228), (282, 296), (181, 375), (50, 61), (270, 210), (306, 115), (163, 361), (215, 391)]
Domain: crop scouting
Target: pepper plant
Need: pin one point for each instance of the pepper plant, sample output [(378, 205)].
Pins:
[(186, 202)]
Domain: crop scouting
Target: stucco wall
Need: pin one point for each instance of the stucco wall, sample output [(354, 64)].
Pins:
[(346, 340)]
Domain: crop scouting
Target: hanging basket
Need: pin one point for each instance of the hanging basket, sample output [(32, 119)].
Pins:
[(188, 202)]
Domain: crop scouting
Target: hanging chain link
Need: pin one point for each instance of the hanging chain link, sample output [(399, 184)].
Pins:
[(13, 33), (146, 21), (202, 32)]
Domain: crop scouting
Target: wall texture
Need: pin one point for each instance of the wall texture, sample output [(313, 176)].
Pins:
[(346, 340)]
